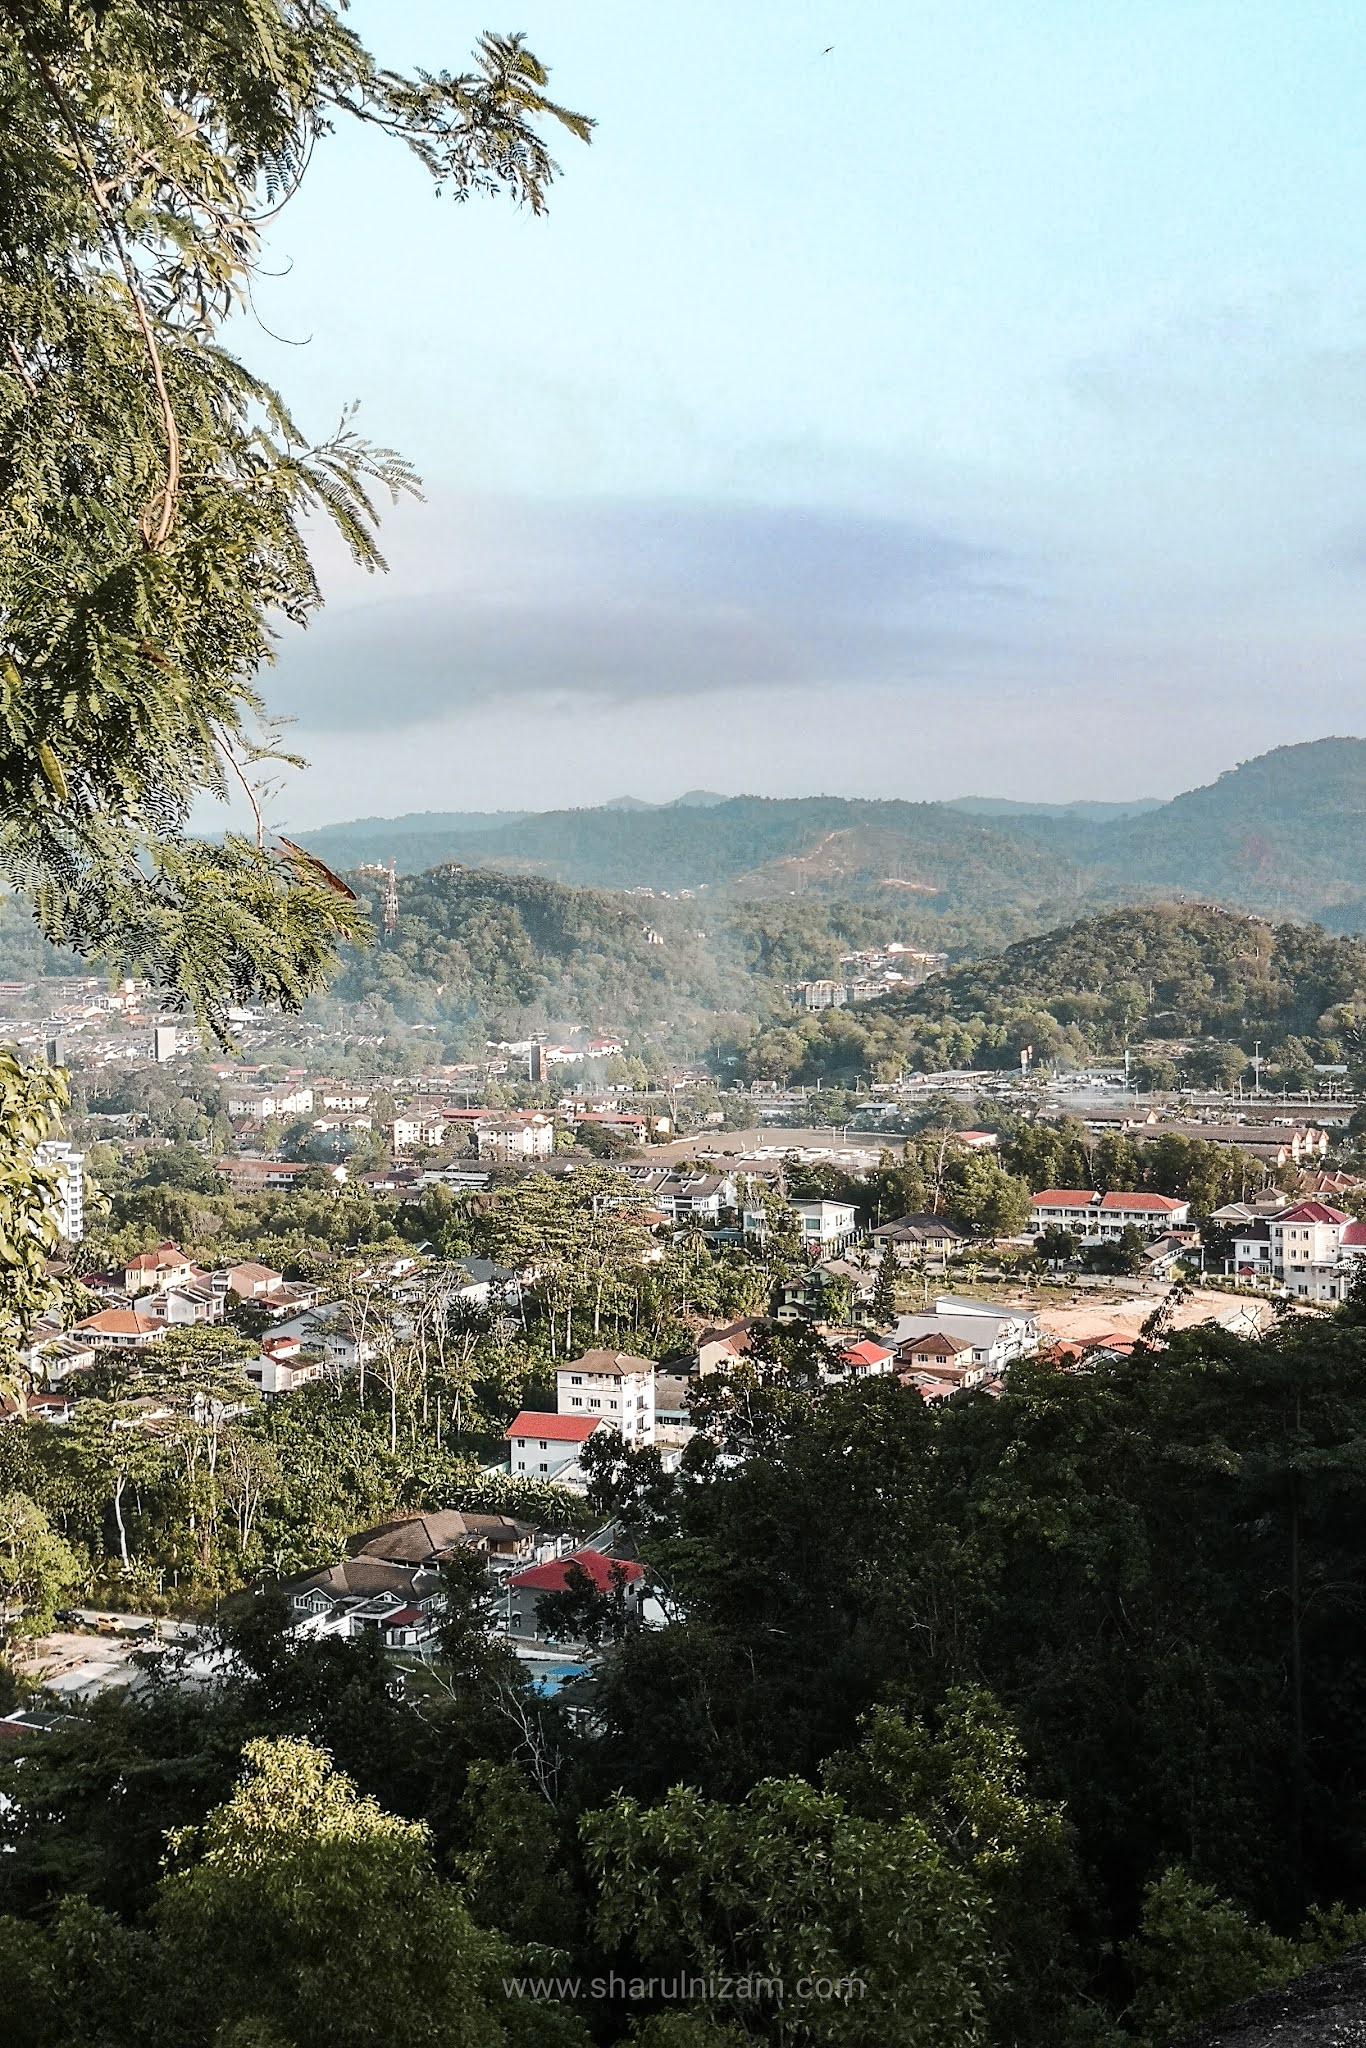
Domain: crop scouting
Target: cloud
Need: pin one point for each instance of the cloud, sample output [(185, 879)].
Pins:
[(628, 600)]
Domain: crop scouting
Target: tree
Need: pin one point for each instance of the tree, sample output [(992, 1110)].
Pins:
[(157, 494), (885, 1286), (256, 1902), (31, 1098), (1056, 1246), (37, 1569), (888, 1896), (580, 1611), (1123, 1254)]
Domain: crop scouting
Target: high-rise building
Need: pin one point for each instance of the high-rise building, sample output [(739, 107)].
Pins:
[(165, 1043), (70, 1200)]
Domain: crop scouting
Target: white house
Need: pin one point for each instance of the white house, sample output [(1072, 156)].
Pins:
[(827, 1228), (611, 1386), (542, 1446), (407, 1131), (264, 1103), (1311, 1249), (993, 1334), (283, 1366)]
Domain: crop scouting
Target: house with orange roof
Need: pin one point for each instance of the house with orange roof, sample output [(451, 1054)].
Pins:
[(121, 1329)]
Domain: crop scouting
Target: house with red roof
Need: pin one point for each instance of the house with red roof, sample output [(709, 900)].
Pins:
[(1309, 1248), (618, 1578), (153, 1272), (546, 1446), (865, 1360)]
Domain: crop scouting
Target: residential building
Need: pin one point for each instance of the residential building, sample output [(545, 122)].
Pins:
[(611, 1386), (523, 1590), (121, 1329), (1097, 1218), (673, 1417), (865, 1360), (827, 1228), (283, 1365), (515, 1140), (152, 1272), (260, 1104), (995, 1334), (407, 1131), (259, 1176), (934, 1354), (545, 1446), (69, 1166), (397, 1602), (682, 1196), (196, 1302), (920, 1237), (720, 1348)]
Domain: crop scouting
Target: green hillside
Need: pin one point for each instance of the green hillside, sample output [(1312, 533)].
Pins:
[(1173, 979)]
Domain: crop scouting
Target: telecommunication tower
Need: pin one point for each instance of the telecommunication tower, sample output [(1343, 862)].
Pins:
[(391, 901)]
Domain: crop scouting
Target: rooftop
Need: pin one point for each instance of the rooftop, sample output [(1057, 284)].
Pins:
[(562, 1429)]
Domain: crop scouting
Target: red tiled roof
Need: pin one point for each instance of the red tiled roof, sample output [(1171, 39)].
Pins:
[(1354, 1234), (1311, 1212), (563, 1429), (1156, 1203), (866, 1353), (551, 1578), (404, 1618), (1064, 1198), (166, 1254)]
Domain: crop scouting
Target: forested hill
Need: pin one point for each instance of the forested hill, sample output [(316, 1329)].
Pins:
[(1163, 970), (505, 955), (1195, 985), (1282, 835)]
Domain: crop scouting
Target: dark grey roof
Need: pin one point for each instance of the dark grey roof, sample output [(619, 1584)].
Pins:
[(362, 1577), (919, 1228), (412, 1539)]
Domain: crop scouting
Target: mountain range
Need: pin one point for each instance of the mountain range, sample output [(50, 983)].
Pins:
[(1281, 834)]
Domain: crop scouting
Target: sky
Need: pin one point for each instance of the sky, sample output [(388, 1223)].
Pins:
[(898, 399)]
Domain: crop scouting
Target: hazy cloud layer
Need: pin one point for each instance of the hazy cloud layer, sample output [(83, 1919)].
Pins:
[(647, 599)]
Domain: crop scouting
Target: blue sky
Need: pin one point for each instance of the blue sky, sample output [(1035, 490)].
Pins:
[(979, 405)]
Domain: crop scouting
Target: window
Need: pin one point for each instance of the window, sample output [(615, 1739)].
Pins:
[(542, 1467), (576, 1379), (576, 1400), (543, 1446)]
